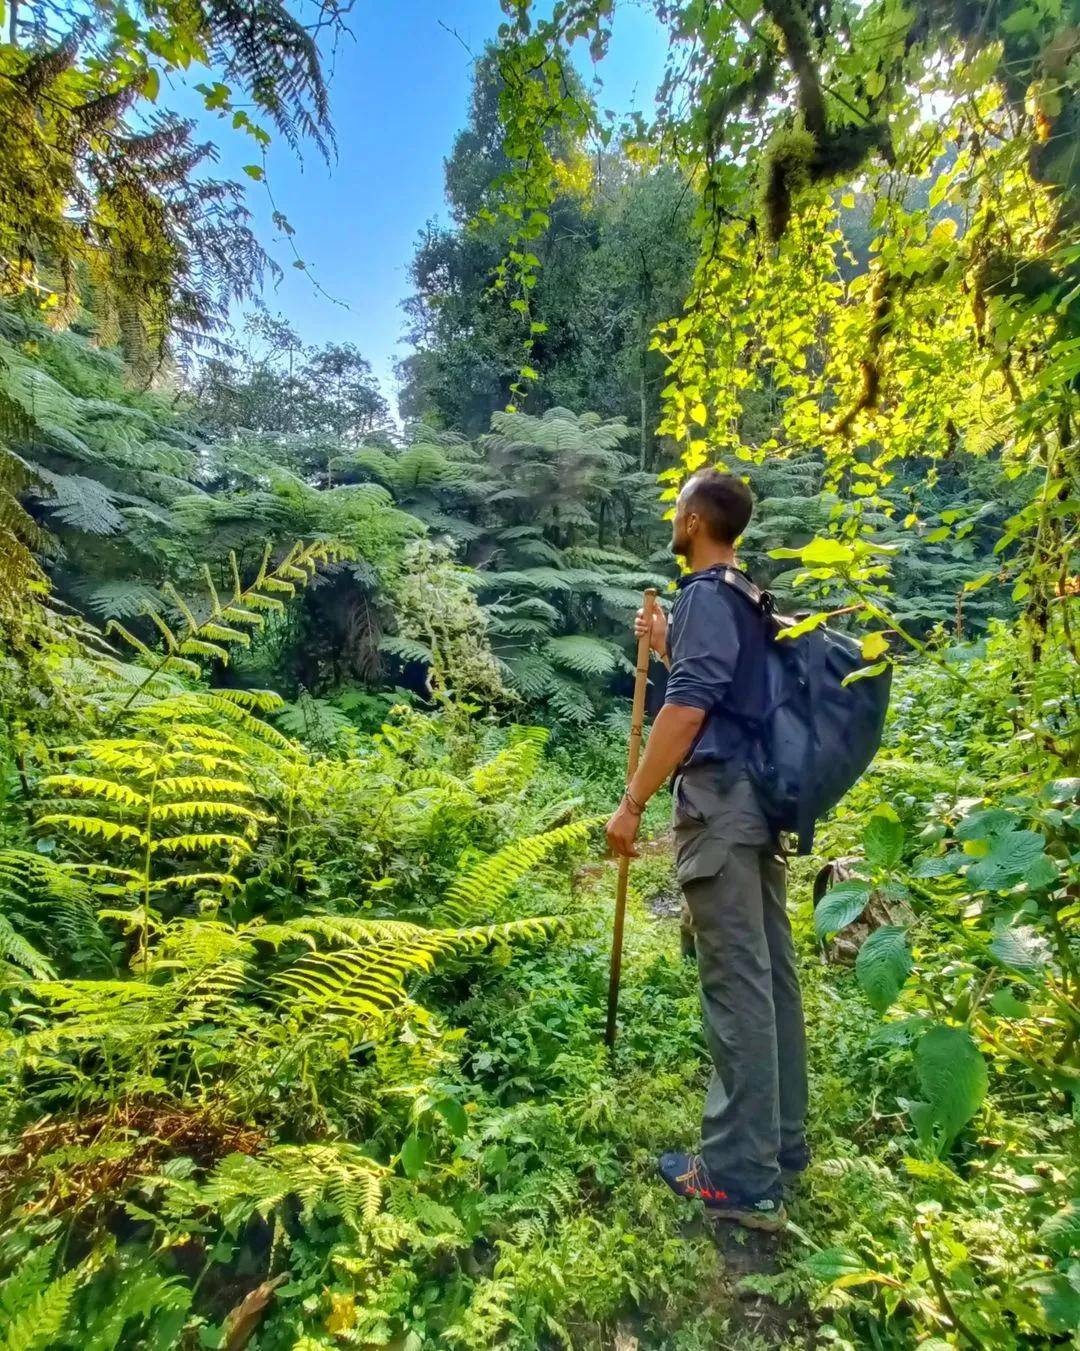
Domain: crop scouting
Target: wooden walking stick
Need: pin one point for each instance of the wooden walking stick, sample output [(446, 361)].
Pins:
[(637, 718)]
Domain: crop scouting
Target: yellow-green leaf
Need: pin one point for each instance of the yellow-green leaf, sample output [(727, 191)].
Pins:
[(873, 646)]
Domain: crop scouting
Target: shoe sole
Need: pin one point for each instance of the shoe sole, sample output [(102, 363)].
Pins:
[(750, 1219)]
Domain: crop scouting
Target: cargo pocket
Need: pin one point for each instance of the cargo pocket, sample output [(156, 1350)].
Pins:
[(699, 854)]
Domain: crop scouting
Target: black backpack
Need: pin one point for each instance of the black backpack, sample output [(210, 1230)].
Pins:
[(816, 735)]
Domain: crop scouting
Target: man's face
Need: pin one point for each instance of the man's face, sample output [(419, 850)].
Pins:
[(684, 526)]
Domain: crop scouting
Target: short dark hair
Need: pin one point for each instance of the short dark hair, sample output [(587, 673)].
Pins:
[(723, 501)]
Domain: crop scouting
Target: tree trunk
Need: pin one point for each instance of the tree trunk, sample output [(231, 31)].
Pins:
[(645, 451), (644, 398)]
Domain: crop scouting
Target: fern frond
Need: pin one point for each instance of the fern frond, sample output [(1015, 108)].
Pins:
[(40, 1320), (224, 881), (201, 783), (16, 949), (88, 785), (570, 701), (583, 655), (514, 766), (406, 649), (530, 673), (196, 807), (94, 827), (482, 887), (334, 1174), (196, 843)]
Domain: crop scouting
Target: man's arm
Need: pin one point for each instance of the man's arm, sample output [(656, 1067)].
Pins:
[(671, 737), (703, 654)]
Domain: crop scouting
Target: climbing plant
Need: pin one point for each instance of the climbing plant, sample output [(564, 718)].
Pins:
[(956, 332)]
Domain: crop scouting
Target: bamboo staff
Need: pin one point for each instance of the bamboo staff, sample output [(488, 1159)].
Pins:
[(637, 718)]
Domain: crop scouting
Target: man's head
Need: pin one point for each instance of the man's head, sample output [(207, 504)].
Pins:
[(711, 512)]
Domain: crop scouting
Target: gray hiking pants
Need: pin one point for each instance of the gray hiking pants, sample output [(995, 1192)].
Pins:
[(734, 881)]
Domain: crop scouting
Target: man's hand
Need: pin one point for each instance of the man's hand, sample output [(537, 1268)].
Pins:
[(622, 831), (658, 631)]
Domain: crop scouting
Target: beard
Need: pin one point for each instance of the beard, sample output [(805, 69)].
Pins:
[(680, 544)]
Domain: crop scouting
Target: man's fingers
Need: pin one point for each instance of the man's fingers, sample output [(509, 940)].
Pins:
[(622, 848)]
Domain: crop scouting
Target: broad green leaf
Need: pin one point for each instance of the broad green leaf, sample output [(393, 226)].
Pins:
[(1008, 859), (831, 1263), (985, 824), (1043, 874), (806, 625), (827, 553), (1061, 790), (874, 645), (1060, 1300), (840, 906), (1006, 1005), (864, 672), (922, 1118), (454, 1115), (699, 413), (952, 1075), (1021, 948), (254, 171), (883, 964), (1061, 1232), (819, 553), (1022, 20), (939, 865), (414, 1154), (883, 840)]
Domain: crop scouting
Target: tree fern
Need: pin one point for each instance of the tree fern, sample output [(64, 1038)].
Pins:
[(79, 502), (227, 622), (583, 655), (406, 649), (569, 700)]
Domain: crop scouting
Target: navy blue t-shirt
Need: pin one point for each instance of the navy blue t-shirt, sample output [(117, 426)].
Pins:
[(716, 645)]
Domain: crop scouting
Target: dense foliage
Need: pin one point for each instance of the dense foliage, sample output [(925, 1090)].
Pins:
[(308, 722)]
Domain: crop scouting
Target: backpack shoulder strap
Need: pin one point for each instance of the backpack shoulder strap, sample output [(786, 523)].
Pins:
[(762, 601)]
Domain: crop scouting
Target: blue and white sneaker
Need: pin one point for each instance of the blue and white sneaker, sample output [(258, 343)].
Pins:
[(687, 1176)]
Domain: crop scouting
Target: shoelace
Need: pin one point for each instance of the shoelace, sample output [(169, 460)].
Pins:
[(695, 1177)]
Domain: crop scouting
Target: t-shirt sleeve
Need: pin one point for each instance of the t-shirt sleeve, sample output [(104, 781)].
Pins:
[(704, 649)]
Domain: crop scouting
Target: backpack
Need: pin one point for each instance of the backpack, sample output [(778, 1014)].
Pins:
[(816, 734)]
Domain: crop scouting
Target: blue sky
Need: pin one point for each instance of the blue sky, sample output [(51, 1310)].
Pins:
[(399, 93)]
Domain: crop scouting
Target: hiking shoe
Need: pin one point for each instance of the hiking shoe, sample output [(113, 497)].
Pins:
[(687, 1176)]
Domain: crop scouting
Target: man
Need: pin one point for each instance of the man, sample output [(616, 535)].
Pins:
[(729, 866)]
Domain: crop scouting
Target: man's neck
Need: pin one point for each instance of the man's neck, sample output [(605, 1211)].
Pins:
[(706, 554)]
